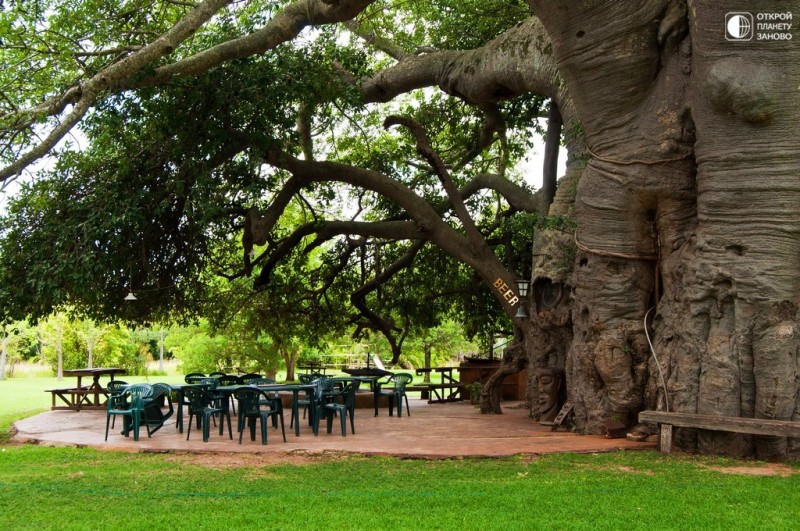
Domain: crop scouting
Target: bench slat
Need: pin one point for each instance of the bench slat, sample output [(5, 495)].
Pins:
[(778, 428)]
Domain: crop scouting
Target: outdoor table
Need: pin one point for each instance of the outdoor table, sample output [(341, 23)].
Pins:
[(92, 397)]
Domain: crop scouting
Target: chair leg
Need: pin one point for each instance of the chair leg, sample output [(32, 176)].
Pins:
[(408, 409), (391, 406), (263, 430), (344, 422), (329, 421), (135, 419), (108, 417), (206, 426), (315, 427), (352, 422), (189, 428), (283, 431)]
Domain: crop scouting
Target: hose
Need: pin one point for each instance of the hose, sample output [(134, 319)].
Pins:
[(653, 351)]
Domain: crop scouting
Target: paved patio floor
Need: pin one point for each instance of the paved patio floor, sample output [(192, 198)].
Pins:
[(434, 431)]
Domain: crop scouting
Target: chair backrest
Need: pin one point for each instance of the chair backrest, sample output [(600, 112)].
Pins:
[(145, 389), (216, 374), (248, 398), (208, 383), (401, 379), (229, 379), (249, 377), (324, 387), (197, 397), (261, 381), (137, 393), (350, 393), (162, 389), (116, 387), (193, 377)]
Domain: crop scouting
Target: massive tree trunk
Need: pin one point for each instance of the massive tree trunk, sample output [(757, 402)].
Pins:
[(690, 204)]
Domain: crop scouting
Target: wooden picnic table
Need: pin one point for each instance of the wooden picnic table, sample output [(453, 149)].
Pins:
[(93, 396), (449, 390)]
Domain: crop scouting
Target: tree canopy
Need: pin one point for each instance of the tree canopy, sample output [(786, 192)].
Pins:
[(264, 131)]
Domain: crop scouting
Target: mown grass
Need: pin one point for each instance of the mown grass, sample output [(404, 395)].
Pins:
[(74, 488)]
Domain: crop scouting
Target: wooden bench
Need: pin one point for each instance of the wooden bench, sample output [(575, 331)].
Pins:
[(77, 398), (666, 420), (446, 392)]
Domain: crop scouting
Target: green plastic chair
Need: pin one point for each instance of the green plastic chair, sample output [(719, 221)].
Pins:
[(327, 405), (396, 393), (273, 400), (349, 395), (230, 379), (115, 389), (154, 414), (305, 403), (249, 399), (205, 406), (132, 410)]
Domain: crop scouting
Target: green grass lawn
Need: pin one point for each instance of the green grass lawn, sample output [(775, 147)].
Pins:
[(80, 488)]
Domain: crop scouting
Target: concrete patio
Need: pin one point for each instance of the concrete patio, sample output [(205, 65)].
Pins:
[(434, 431)]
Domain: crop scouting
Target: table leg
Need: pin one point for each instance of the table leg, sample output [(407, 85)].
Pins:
[(179, 416), (296, 411)]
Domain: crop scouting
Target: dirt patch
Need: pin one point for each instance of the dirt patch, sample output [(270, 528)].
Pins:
[(767, 469), (631, 470), (224, 460)]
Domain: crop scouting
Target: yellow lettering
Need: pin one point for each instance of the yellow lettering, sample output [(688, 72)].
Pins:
[(499, 282)]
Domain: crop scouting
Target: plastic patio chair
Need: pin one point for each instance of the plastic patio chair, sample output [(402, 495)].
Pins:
[(273, 400), (306, 402), (327, 405), (154, 415), (205, 406), (396, 393), (349, 395), (132, 410), (115, 389), (250, 410), (230, 379)]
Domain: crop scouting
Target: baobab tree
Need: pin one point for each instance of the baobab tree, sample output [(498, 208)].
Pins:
[(678, 210)]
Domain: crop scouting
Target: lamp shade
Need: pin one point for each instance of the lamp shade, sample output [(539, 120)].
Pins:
[(522, 287), (130, 296)]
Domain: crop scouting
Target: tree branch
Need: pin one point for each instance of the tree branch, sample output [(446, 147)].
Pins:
[(359, 298), (85, 95), (517, 62), (325, 230)]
